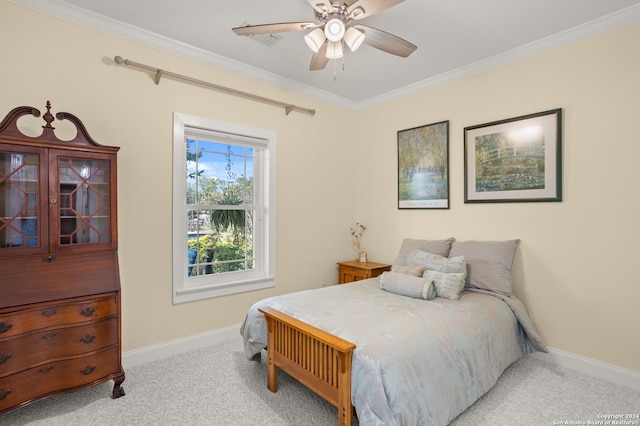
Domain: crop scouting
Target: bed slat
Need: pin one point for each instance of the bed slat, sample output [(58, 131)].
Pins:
[(317, 359)]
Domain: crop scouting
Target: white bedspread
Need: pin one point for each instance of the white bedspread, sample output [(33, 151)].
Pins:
[(416, 362)]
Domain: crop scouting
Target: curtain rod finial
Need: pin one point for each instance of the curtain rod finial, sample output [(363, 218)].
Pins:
[(119, 60)]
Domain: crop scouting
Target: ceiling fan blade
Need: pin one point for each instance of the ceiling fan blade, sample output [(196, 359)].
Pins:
[(319, 59), (386, 42), (273, 28), (321, 6), (365, 8)]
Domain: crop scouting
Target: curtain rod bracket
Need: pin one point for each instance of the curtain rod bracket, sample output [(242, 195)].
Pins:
[(159, 73)]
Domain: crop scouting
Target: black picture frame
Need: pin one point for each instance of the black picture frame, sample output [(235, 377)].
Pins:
[(423, 167), (514, 160)]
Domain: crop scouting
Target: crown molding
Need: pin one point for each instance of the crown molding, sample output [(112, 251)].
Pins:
[(99, 22), (606, 23)]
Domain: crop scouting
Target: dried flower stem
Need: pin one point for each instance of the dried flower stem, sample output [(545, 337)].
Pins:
[(356, 234)]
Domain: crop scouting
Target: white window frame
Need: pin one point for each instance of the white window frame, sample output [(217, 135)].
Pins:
[(185, 288)]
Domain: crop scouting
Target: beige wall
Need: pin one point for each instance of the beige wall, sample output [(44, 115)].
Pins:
[(574, 267), (46, 58), (571, 271)]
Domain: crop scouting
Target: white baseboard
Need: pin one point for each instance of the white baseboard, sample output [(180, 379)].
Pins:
[(174, 347), (590, 367)]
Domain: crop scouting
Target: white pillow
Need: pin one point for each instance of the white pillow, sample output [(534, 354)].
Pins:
[(448, 285)]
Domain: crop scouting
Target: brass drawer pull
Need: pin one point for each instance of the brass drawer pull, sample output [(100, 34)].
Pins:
[(49, 337), (87, 312), (87, 339), (4, 358), (49, 313), (88, 370), (46, 369), (4, 393), (4, 327)]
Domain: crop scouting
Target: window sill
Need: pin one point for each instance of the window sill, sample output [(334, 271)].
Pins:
[(211, 291)]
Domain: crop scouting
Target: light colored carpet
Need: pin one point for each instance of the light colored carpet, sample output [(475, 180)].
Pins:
[(216, 385)]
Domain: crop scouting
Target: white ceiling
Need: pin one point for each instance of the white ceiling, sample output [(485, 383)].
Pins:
[(454, 38)]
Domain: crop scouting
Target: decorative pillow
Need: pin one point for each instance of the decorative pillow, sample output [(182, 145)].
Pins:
[(489, 263), (416, 271), (407, 285), (440, 247), (435, 262), (449, 285)]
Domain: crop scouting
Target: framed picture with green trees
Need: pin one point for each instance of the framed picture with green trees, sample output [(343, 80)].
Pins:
[(514, 160), (423, 167)]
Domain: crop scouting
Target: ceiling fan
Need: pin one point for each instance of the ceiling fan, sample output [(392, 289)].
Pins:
[(335, 25)]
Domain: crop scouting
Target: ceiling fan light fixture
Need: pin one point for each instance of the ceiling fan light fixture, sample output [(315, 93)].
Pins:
[(334, 50), (353, 38), (334, 29), (315, 39)]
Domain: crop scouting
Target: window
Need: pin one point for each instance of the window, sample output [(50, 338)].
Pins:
[(223, 208)]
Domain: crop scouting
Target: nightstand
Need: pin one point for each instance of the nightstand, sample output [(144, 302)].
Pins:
[(354, 271)]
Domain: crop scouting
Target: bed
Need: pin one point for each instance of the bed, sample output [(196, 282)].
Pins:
[(388, 350)]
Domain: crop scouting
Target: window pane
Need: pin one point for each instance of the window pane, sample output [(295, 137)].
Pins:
[(219, 173), (219, 241), (19, 184), (248, 182), (84, 200)]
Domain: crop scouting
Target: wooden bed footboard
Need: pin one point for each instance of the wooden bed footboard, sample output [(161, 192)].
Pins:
[(317, 359)]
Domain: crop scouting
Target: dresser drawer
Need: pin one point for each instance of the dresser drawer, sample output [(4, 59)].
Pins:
[(21, 352), (57, 377), (57, 314)]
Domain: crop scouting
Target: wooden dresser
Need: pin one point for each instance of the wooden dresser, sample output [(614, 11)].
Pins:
[(60, 327), (354, 271)]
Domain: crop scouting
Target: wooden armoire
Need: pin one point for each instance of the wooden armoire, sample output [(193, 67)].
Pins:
[(60, 326)]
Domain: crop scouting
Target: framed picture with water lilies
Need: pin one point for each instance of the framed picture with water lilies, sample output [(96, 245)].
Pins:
[(423, 167), (514, 160)]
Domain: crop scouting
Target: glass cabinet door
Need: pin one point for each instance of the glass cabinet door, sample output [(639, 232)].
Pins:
[(84, 201), (20, 200)]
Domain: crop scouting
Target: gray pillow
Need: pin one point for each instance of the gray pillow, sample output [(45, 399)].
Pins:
[(489, 263), (440, 247), (407, 285)]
